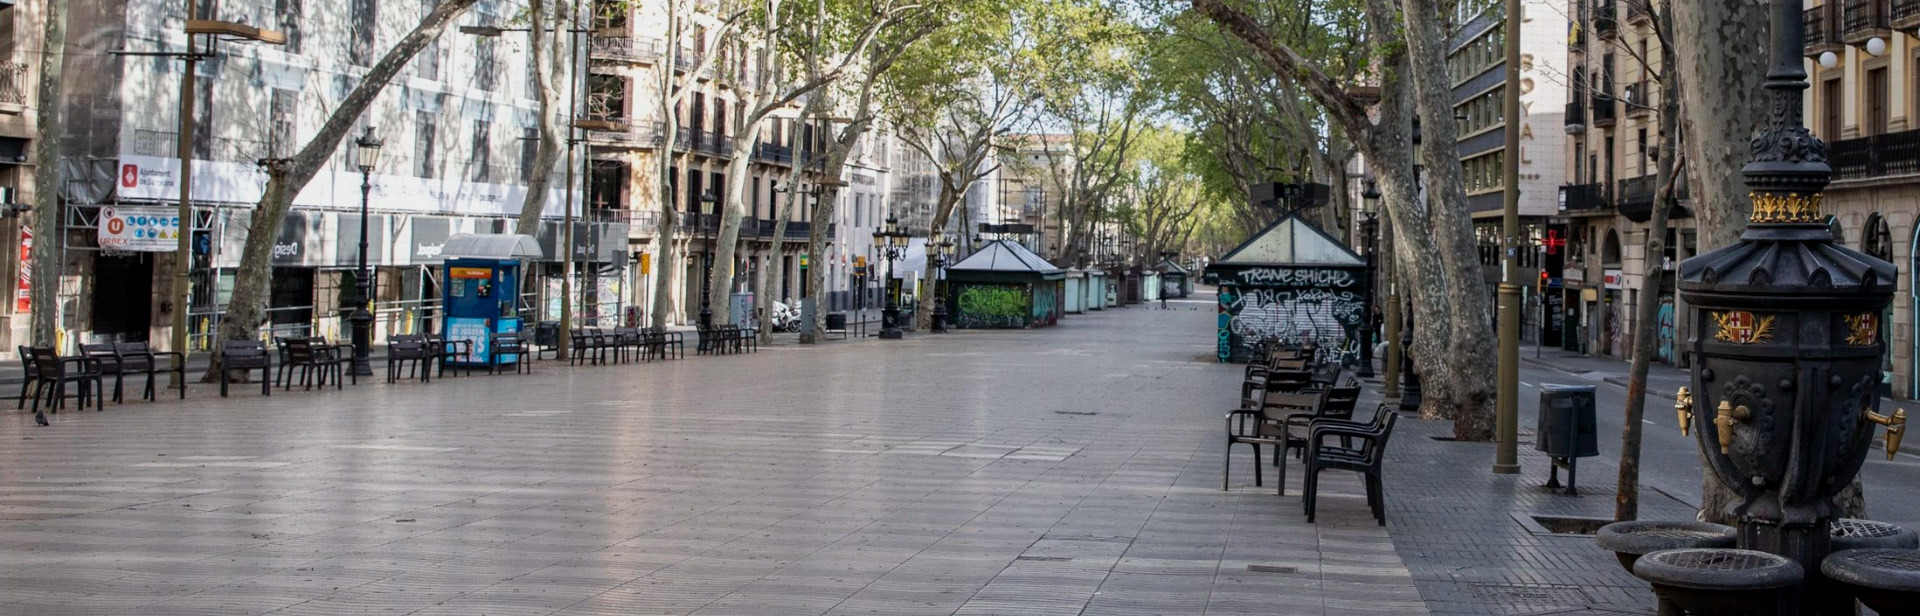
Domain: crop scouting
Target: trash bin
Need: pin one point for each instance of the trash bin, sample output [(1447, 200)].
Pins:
[(546, 334), (837, 321), (1566, 430)]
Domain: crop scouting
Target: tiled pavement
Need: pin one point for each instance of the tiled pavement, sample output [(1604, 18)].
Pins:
[(1071, 470), (1469, 540)]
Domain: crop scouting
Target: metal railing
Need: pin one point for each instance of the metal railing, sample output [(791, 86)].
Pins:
[(1864, 19), (643, 50), (645, 135), (1904, 14), (1584, 197), (1638, 11), (1605, 19), (13, 83), (1576, 115), (1822, 28), (1605, 109), (1882, 155), (1638, 97), (773, 153)]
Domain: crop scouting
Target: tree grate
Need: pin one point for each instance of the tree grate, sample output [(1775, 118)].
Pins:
[(1531, 594)]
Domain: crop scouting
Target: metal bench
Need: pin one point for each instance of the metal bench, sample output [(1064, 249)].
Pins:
[(245, 356)]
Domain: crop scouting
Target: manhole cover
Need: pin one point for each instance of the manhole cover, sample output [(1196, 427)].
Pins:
[(1530, 594)]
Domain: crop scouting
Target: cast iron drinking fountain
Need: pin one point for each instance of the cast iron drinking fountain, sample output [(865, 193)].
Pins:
[(1787, 346)]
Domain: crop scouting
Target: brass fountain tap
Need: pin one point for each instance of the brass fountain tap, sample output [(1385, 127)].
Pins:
[(1723, 420), (1683, 405), (1896, 428)]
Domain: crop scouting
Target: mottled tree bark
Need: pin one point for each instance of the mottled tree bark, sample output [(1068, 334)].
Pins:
[(1468, 385), (45, 266), (548, 30), (1387, 144)]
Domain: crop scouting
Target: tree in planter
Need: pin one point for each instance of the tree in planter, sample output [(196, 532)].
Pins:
[(768, 92), (1459, 394), (680, 27), (246, 309)]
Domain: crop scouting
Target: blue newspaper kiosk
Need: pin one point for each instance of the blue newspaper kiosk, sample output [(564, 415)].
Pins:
[(481, 292)]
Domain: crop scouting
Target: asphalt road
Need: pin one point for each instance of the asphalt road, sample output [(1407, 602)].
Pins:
[(1670, 463)]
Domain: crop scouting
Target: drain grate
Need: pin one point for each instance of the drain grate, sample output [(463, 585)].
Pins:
[(1272, 569), (1531, 594), (1045, 559)]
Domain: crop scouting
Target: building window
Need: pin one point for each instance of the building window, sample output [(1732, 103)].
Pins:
[(365, 24), (426, 64), (485, 66), (423, 134), (203, 117), (1877, 102), (1830, 101), (282, 112), (480, 160), (529, 153), (289, 12)]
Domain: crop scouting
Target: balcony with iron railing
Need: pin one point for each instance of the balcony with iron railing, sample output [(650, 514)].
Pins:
[(687, 59), (1823, 26), (1865, 19), (1637, 98), (1636, 196), (637, 136), (1878, 156), (1605, 19), (13, 83), (1604, 109), (773, 153), (623, 48), (1577, 116), (1904, 14), (1584, 199)]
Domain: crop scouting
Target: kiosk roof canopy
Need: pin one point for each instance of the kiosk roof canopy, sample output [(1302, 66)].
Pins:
[(1292, 241), (1005, 257), (491, 246)]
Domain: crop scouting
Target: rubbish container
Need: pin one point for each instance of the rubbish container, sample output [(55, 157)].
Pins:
[(836, 321), (1566, 430), (546, 334)]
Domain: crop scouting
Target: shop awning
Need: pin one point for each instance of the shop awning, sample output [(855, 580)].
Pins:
[(491, 246)]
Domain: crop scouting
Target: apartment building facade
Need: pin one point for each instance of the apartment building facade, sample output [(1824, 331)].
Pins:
[(1606, 201), (21, 23), (457, 157), (1863, 59)]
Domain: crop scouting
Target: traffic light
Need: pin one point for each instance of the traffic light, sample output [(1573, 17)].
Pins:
[(1540, 286)]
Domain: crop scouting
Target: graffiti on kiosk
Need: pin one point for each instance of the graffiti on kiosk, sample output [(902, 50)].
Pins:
[(1297, 277), (1325, 317), (993, 306)]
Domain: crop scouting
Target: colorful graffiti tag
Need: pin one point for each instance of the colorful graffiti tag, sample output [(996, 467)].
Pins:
[(988, 306), (1324, 307)]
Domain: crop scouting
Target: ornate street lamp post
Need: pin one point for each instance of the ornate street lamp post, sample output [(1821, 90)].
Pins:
[(890, 240), (706, 277), (360, 316), (940, 252), (1369, 230)]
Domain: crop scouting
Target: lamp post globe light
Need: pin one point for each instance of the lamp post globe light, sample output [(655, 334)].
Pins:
[(361, 318), (940, 253), (706, 279), (1369, 232), (889, 241)]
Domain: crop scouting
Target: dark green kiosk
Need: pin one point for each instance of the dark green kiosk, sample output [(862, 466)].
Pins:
[(1004, 285)]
